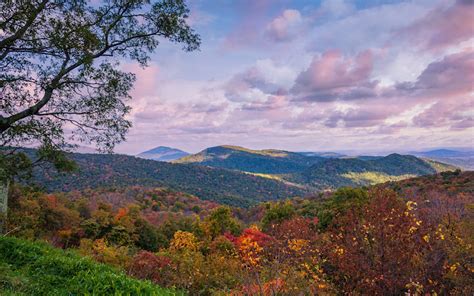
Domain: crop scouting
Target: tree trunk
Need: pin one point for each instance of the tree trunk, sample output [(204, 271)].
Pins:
[(3, 205)]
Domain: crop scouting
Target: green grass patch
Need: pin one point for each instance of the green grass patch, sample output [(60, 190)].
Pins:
[(32, 268), (372, 178)]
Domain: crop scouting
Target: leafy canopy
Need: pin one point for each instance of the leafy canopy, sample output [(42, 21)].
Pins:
[(60, 75)]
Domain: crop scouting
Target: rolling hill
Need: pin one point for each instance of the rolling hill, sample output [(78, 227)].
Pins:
[(234, 175), (254, 161), (314, 170), (445, 183), (115, 170), (333, 173), (163, 153)]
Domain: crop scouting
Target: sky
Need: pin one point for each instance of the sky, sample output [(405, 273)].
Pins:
[(331, 75)]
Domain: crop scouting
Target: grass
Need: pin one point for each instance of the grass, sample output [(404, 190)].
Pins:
[(32, 268), (277, 178), (372, 178), (268, 176)]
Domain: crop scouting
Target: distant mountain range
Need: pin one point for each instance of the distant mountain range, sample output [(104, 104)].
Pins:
[(461, 158), (323, 154), (116, 170), (235, 175), (445, 153), (163, 153), (315, 171), (269, 161)]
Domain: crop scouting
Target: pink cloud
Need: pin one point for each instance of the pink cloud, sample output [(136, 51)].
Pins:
[(334, 94), (272, 102), (239, 85), (454, 74), (334, 76), (363, 116), (146, 78), (451, 76), (442, 27), (253, 84), (270, 112), (457, 114), (284, 27), (167, 113)]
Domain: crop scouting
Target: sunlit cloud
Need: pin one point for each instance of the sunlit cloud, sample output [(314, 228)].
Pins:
[(300, 76)]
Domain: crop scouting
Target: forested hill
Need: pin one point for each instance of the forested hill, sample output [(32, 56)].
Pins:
[(315, 171), (338, 172), (181, 242), (114, 170), (268, 161), (446, 183), (244, 177)]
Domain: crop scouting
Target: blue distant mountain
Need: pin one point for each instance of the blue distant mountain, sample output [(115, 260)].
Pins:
[(163, 153), (323, 154), (463, 157), (445, 153)]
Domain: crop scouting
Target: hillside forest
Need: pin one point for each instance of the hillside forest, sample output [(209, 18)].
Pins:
[(413, 236)]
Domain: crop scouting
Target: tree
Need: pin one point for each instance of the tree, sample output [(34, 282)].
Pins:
[(60, 80), (220, 221), (383, 248), (277, 213), (147, 265), (341, 201), (148, 236)]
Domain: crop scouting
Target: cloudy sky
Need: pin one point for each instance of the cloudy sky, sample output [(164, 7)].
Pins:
[(367, 75)]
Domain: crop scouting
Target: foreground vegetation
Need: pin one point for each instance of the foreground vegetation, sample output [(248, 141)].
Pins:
[(28, 268), (414, 236)]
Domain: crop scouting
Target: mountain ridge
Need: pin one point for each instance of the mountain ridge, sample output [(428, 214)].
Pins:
[(338, 172), (163, 153), (267, 161), (208, 183), (236, 176), (315, 171), (463, 158)]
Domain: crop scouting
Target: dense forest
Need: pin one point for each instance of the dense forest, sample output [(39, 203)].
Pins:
[(413, 236), (221, 185), (238, 179)]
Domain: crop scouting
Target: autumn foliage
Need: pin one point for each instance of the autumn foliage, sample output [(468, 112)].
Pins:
[(148, 265), (412, 237)]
